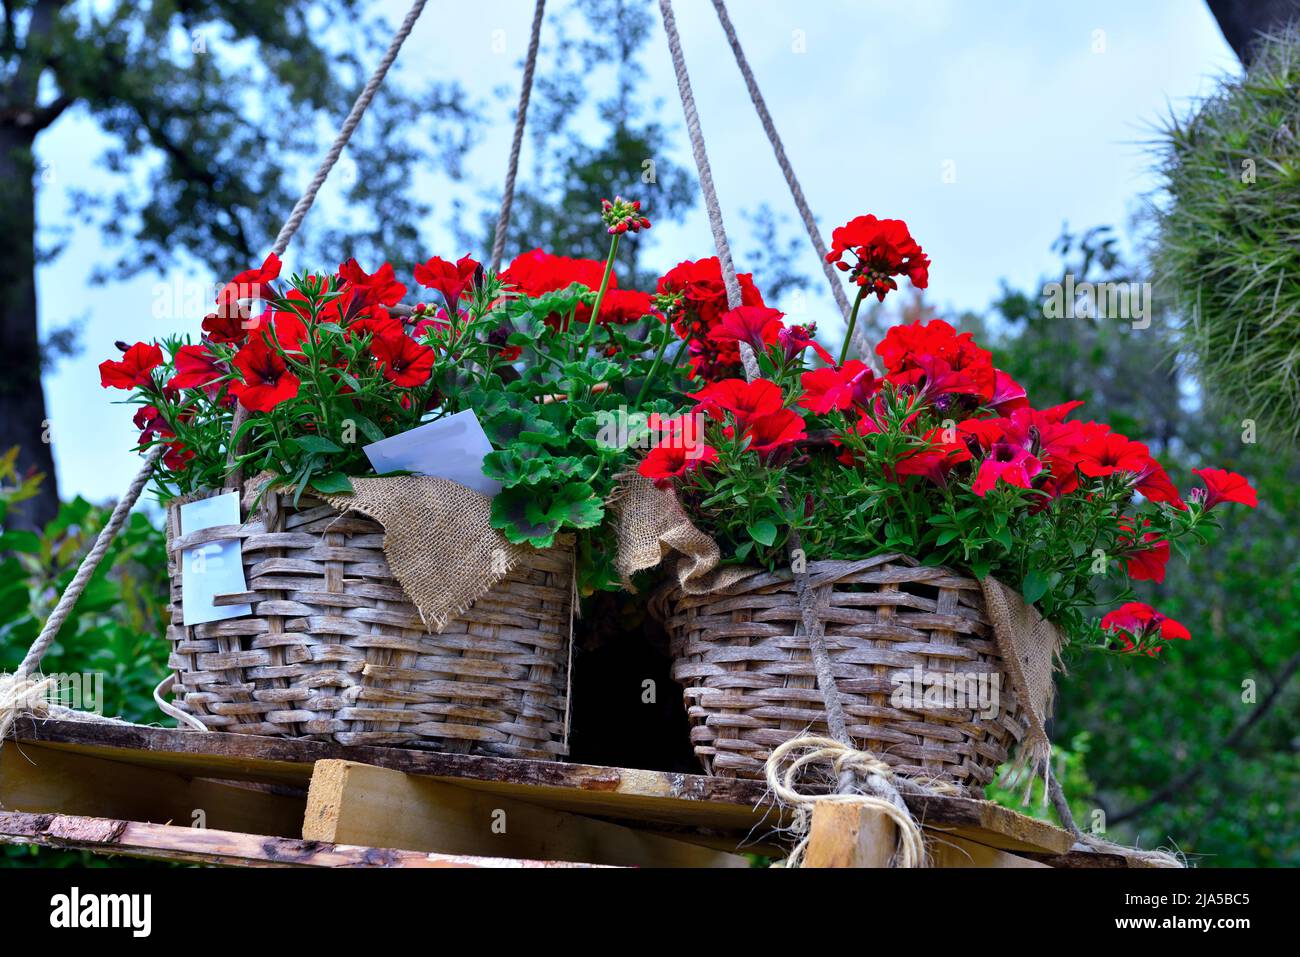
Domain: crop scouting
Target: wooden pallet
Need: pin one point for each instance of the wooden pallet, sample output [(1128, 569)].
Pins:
[(253, 801)]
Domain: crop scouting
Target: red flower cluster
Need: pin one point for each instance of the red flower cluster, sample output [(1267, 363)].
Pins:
[(695, 297), (134, 369), (753, 415), (1138, 626), (883, 249)]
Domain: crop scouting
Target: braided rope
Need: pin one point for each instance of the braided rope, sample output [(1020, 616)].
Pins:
[(525, 94), (68, 600), (812, 625), (345, 131), (706, 176), (308, 197), (783, 161), (873, 789)]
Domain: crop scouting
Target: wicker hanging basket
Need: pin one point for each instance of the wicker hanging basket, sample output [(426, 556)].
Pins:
[(750, 685), (334, 650)]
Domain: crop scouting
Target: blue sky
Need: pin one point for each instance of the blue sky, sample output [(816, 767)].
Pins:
[(985, 124)]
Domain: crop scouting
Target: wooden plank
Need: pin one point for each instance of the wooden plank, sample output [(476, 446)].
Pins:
[(206, 846), (725, 806), (950, 851), (849, 835), (38, 779), (352, 803)]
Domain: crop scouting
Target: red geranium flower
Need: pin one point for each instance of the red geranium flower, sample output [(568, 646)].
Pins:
[(450, 279), (134, 368), (884, 248), (1221, 486), (195, 367), (537, 271), (702, 294), (933, 358), (620, 307), (403, 361), (266, 381), (825, 389)]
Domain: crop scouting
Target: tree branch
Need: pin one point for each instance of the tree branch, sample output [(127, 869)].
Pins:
[(1227, 744)]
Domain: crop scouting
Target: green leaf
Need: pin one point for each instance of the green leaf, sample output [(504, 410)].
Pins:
[(575, 504), (763, 532), (20, 540), (371, 431), (1034, 586), (511, 515), (316, 444), (511, 469), (332, 483)]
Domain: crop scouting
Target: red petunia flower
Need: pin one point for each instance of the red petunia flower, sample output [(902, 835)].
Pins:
[(134, 369), (935, 461), (246, 286), (1135, 622), (1221, 486), (758, 326), (450, 279), (674, 460), (1149, 563), (883, 248), (177, 457), (745, 401), (825, 389), (381, 326), (195, 367), (795, 339), (361, 289), (769, 433), (151, 424), (402, 360), (1110, 453), (266, 380), (1008, 463), (1008, 394)]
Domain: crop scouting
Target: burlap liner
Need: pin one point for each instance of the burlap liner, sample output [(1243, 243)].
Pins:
[(438, 539), (652, 527)]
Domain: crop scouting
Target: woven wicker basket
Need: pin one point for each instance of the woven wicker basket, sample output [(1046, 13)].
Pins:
[(334, 650), (750, 685)]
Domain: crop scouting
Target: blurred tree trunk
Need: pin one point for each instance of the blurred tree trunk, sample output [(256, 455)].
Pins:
[(1243, 20), (22, 401)]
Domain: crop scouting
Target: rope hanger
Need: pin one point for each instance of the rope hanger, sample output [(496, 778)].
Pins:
[(811, 624)]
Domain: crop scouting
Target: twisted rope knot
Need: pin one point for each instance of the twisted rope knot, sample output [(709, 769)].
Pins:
[(20, 694), (873, 784)]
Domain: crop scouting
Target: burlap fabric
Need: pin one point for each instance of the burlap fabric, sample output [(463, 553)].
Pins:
[(438, 539), (653, 527)]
